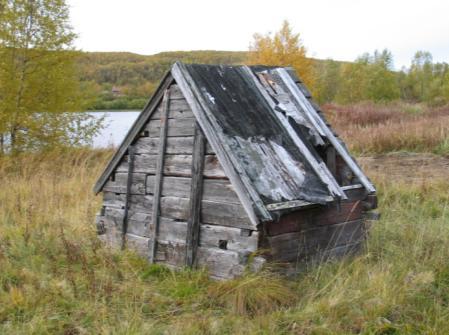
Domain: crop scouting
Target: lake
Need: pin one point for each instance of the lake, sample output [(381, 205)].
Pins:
[(117, 124)]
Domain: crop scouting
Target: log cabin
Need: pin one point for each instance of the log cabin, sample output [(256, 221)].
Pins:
[(230, 168)]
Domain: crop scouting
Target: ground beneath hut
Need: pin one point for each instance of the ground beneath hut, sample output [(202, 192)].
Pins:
[(406, 167)]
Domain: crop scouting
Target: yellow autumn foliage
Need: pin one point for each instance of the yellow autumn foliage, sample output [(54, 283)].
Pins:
[(284, 48)]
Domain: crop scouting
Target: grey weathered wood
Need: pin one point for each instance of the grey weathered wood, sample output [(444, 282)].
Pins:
[(196, 195), (179, 109), (176, 127), (351, 187), (175, 230), (307, 107), (295, 246), (226, 214), (175, 165), (224, 264), (232, 215), (211, 235), (138, 203), (319, 167), (134, 131), (217, 190), (120, 183), (293, 204), (175, 146), (128, 194), (245, 191), (153, 228)]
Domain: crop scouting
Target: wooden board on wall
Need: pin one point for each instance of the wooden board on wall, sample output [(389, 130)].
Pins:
[(308, 218)]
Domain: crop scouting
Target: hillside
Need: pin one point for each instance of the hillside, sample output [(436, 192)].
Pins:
[(123, 80)]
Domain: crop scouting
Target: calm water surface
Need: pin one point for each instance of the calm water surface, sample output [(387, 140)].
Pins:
[(117, 124)]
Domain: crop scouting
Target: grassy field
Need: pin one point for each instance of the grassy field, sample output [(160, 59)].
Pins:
[(56, 278)]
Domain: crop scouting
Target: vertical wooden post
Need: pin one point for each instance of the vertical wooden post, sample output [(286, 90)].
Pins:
[(196, 195), (154, 226), (129, 184)]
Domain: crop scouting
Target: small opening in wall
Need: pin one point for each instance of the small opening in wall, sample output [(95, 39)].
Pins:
[(112, 177), (223, 244), (145, 133)]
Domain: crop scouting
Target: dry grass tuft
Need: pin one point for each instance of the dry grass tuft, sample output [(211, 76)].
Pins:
[(253, 294)]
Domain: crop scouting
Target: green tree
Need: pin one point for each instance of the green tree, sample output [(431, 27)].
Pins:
[(284, 48), (370, 77), (327, 80), (39, 86)]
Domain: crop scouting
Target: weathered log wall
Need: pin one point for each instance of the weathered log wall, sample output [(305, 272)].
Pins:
[(226, 236), (317, 234)]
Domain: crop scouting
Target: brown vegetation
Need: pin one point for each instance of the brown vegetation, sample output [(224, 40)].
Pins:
[(370, 128)]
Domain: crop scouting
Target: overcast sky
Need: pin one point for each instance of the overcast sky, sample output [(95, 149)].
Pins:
[(340, 30)]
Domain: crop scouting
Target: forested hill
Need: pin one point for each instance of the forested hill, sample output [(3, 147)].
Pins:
[(123, 80)]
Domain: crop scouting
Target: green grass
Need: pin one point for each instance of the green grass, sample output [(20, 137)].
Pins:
[(56, 278)]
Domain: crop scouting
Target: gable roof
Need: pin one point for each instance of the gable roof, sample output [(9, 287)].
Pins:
[(264, 129)]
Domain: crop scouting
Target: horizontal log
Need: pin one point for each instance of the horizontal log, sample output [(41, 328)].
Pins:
[(296, 246), (226, 214), (178, 109), (118, 185), (174, 165), (176, 127), (322, 215), (213, 189), (137, 202), (213, 236), (175, 145)]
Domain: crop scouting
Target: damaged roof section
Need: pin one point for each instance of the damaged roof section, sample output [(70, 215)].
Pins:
[(279, 170)]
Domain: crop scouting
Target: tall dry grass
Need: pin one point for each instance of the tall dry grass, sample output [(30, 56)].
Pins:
[(56, 278), (370, 128)]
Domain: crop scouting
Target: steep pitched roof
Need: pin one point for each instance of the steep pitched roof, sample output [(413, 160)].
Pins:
[(264, 130)]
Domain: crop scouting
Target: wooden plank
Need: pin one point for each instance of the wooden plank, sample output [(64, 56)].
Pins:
[(196, 195), (138, 203), (245, 191), (217, 190), (153, 228), (322, 215), (211, 236), (128, 194), (292, 204), (175, 165), (176, 127), (120, 183), (134, 131), (307, 107), (175, 146), (179, 109), (295, 246)]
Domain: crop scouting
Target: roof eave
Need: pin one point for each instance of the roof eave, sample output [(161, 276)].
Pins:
[(137, 126)]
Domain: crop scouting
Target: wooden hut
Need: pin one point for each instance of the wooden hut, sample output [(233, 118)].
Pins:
[(226, 162)]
